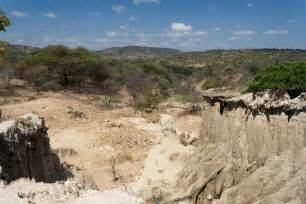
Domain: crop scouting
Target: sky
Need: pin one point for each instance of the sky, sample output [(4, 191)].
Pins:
[(188, 25)]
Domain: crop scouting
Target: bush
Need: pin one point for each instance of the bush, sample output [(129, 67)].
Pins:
[(188, 98), (147, 100), (289, 77), (50, 86), (208, 84)]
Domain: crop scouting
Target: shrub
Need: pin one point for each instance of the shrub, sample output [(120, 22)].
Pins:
[(188, 98), (147, 100), (289, 77), (208, 84), (50, 86)]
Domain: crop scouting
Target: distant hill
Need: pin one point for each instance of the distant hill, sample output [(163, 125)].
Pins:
[(237, 56), (208, 69), (132, 52), (233, 68)]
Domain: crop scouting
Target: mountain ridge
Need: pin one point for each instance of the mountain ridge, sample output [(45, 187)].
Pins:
[(131, 52)]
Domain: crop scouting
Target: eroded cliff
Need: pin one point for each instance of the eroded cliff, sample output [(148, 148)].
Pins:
[(252, 150), (25, 151)]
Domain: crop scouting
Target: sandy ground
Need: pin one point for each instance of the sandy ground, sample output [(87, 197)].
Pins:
[(145, 154), (162, 164)]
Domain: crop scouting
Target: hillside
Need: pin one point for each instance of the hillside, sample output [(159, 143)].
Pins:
[(232, 68), (143, 67), (237, 56), (132, 52)]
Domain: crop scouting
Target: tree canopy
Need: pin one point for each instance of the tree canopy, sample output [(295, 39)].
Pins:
[(4, 21), (58, 64), (290, 76)]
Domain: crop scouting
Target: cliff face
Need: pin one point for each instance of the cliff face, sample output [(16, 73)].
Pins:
[(252, 150), (25, 151)]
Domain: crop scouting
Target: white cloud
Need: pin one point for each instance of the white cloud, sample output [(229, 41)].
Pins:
[(47, 39), (244, 33), (250, 4), (137, 2), (290, 21), (64, 26), (111, 34), (133, 18), (72, 40), (51, 15), (102, 40), (276, 32), (234, 38), (217, 29), (177, 34), (181, 27), (241, 33), (200, 33), (179, 30), (95, 13), (19, 41), (184, 34), (143, 35), (123, 27), (117, 8), (19, 14)]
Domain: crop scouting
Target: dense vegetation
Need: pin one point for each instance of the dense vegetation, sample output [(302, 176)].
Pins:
[(289, 77)]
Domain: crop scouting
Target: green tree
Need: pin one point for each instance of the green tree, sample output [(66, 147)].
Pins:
[(290, 76), (4, 22), (67, 66)]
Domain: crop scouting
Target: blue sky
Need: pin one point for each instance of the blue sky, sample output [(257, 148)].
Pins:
[(182, 24)]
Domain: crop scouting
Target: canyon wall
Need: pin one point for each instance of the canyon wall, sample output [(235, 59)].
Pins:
[(25, 151), (252, 150)]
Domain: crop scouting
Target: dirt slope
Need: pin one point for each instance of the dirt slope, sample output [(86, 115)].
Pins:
[(91, 140)]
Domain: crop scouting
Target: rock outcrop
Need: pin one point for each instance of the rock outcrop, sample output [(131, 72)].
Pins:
[(25, 151), (252, 149)]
